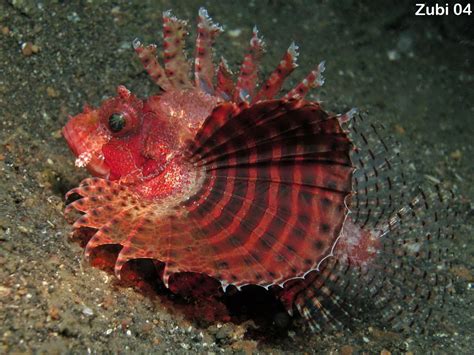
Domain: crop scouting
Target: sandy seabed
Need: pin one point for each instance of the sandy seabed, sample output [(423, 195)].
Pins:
[(413, 73)]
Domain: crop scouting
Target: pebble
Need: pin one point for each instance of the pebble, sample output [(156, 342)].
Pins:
[(24, 229), (222, 333), (393, 55), (28, 49), (4, 292), (463, 272), (73, 17), (245, 346), (52, 92), (234, 33), (54, 313), (433, 179), (346, 350), (399, 129), (87, 312), (147, 328), (115, 11), (456, 155)]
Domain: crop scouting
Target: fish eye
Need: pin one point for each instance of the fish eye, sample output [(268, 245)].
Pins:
[(121, 117), (117, 122)]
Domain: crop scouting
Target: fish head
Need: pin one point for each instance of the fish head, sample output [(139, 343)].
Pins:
[(123, 139)]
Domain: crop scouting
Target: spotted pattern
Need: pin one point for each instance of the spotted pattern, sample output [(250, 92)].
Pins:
[(147, 56), (176, 64), (203, 66), (247, 80)]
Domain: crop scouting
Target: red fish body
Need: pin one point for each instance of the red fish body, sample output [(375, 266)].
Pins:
[(222, 179)]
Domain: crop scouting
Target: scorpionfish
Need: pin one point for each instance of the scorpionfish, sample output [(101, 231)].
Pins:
[(225, 178)]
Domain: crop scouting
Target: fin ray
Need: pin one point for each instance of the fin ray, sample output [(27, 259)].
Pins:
[(176, 64), (248, 77), (203, 66)]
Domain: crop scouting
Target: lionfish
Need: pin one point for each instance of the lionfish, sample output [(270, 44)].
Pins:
[(220, 180)]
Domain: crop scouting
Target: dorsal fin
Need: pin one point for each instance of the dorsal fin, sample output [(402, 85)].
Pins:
[(313, 80), (248, 77), (176, 64), (203, 67), (276, 79), (147, 56), (225, 84)]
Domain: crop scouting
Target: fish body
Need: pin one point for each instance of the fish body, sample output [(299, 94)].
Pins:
[(222, 179)]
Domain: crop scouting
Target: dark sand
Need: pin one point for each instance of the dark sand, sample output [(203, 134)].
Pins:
[(414, 74)]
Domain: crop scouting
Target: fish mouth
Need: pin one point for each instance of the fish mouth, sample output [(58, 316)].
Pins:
[(89, 158)]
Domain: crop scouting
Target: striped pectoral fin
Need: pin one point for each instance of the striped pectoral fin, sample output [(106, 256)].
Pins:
[(253, 232), (240, 229), (277, 129), (143, 229), (320, 297), (397, 275), (115, 213), (221, 127), (273, 203)]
